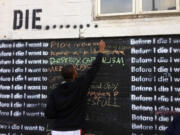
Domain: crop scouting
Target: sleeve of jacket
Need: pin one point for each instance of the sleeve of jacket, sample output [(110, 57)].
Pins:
[(50, 111), (91, 73)]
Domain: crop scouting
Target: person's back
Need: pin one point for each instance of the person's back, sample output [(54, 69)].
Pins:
[(69, 100), (67, 103)]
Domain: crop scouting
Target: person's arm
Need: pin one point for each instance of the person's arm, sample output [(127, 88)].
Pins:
[(171, 129), (50, 111), (91, 73), (49, 133)]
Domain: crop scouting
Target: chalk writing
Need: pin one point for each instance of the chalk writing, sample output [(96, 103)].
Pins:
[(110, 86), (57, 44), (71, 60), (84, 52), (102, 98), (143, 87)]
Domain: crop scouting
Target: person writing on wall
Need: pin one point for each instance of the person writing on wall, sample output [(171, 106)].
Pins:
[(66, 104)]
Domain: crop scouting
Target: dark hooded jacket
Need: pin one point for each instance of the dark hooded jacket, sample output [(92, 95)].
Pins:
[(66, 104), (174, 127)]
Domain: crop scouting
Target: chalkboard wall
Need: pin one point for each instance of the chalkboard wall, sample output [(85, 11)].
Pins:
[(136, 91)]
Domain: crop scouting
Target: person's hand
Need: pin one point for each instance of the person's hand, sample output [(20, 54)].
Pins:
[(48, 133), (102, 46)]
